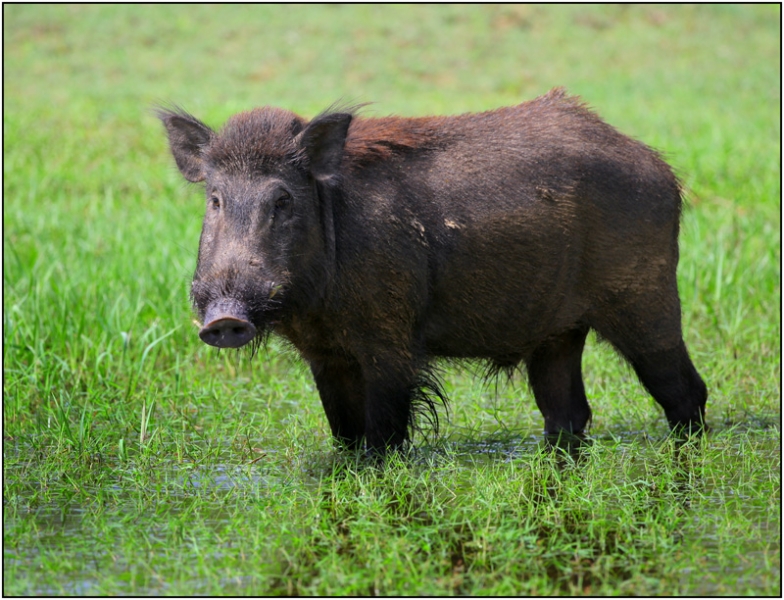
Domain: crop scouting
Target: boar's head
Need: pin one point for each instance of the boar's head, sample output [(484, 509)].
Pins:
[(267, 242)]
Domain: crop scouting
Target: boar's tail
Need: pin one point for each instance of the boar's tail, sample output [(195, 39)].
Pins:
[(427, 393)]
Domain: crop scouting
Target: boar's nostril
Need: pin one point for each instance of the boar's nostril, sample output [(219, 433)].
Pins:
[(226, 324), (228, 332)]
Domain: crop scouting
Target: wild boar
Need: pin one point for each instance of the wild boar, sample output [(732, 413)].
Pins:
[(377, 246)]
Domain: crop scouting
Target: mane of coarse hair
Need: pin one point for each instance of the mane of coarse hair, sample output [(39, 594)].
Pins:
[(375, 139)]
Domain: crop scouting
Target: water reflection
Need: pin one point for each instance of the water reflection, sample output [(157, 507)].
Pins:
[(569, 449)]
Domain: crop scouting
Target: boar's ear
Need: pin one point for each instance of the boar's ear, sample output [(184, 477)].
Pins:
[(187, 138), (323, 141)]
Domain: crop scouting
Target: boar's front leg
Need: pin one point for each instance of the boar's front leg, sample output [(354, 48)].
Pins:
[(387, 406), (371, 403), (342, 390)]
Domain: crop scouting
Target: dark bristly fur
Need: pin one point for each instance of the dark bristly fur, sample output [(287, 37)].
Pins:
[(426, 394), (377, 247)]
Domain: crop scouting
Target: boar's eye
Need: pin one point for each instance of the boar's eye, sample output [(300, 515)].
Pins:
[(282, 200), (215, 202)]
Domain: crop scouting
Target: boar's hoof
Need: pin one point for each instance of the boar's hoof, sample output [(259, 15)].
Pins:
[(226, 326)]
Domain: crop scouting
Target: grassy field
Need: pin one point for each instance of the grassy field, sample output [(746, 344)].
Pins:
[(136, 460)]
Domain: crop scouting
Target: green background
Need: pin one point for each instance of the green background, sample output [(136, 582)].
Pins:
[(137, 460)]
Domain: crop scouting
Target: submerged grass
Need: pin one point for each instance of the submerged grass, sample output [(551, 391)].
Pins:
[(138, 461), (624, 517)]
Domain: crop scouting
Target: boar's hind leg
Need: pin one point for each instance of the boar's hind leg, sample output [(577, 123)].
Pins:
[(670, 377), (649, 336), (342, 390), (555, 376)]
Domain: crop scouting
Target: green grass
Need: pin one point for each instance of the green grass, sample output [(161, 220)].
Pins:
[(139, 461)]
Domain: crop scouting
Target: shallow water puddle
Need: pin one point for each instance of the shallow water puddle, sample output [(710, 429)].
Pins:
[(63, 536)]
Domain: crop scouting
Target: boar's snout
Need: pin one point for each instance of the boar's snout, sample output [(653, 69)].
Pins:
[(226, 325)]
